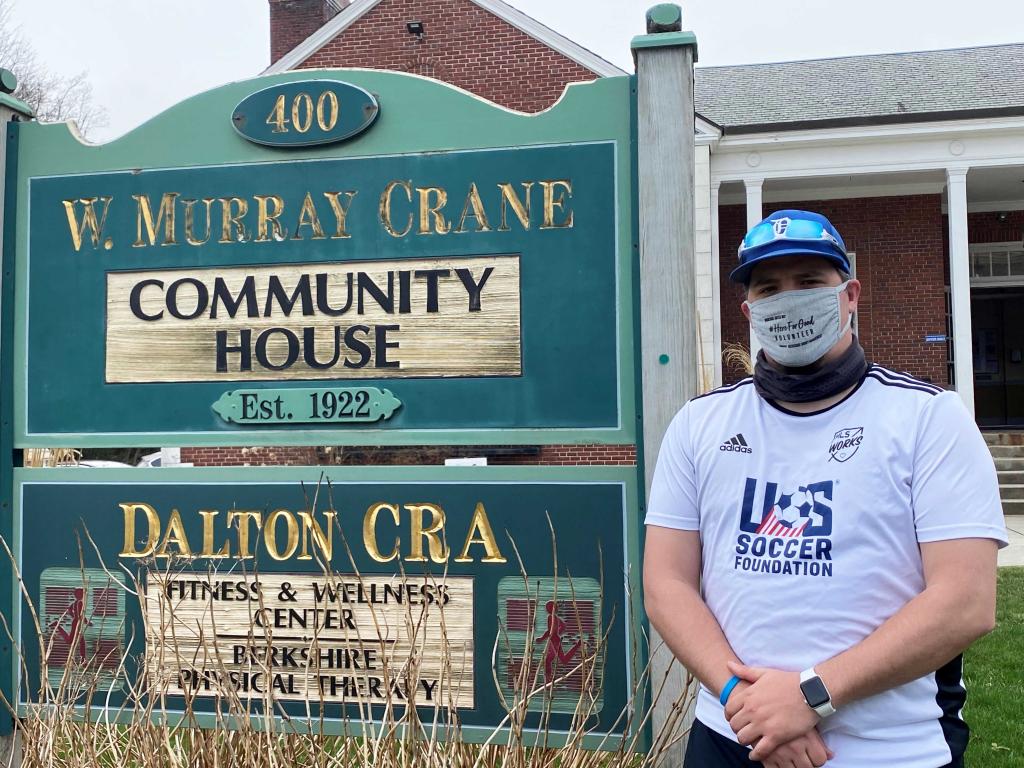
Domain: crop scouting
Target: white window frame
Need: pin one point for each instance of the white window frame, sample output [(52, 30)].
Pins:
[(1014, 246)]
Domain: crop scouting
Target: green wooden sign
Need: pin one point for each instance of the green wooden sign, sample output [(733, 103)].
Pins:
[(305, 113), (459, 274), (475, 263), (368, 567)]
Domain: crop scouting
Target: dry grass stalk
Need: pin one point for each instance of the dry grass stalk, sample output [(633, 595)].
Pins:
[(738, 356), (51, 457)]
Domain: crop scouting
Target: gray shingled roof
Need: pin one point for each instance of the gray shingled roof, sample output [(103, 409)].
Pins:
[(853, 90)]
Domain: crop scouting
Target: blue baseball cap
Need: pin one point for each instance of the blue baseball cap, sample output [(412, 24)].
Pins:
[(790, 233)]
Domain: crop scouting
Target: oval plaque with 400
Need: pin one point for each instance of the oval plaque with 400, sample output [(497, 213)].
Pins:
[(305, 113)]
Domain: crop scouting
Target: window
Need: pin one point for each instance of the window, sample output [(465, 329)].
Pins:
[(997, 263)]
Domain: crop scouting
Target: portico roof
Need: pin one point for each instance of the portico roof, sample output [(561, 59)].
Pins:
[(864, 90)]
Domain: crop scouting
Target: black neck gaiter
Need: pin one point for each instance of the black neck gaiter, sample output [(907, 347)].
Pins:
[(812, 382)]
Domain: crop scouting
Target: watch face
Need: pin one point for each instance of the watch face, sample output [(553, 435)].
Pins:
[(815, 692)]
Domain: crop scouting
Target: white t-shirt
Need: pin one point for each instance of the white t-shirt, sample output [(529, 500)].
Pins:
[(810, 525)]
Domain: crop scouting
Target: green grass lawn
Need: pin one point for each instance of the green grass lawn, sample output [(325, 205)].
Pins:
[(994, 672)]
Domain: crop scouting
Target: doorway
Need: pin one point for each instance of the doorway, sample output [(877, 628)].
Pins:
[(997, 327)]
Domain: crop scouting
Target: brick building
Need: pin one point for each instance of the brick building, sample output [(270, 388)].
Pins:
[(918, 158), (486, 47)]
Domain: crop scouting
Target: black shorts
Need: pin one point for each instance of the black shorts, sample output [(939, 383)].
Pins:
[(709, 749)]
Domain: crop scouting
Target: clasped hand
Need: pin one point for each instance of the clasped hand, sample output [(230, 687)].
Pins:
[(770, 713)]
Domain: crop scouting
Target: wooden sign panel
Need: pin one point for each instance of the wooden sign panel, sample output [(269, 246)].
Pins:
[(474, 263), (409, 319), (333, 596), (329, 638)]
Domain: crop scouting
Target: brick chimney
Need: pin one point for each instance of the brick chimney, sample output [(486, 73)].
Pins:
[(292, 21)]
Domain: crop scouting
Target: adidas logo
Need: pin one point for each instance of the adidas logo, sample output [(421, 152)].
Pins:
[(736, 445)]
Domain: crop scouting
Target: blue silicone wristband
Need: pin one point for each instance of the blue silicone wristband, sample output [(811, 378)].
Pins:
[(733, 682)]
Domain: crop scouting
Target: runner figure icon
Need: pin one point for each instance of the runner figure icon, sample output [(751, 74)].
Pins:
[(554, 653)]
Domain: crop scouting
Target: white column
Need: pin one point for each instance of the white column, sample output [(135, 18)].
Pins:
[(754, 216), (960, 285), (716, 283)]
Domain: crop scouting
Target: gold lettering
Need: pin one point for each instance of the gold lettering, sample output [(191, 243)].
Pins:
[(270, 534), (208, 515), (417, 533), (551, 203), (433, 210), (269, 220), (190, 223), (89, 221), (340, 211), (370, 532), (479, 214), (152, 529), (302, 102), (482, 526), (144, 217), (244, 517), (509, 197), (276, 117), (326, 122), (232, 226), (175, 534), (385, 208), (324, 542), (308, 217)]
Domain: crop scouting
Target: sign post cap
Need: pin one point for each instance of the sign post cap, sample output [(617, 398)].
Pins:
[(664, 30), (8, 82), (664, 17)]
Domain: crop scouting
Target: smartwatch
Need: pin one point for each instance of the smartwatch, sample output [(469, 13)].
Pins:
[(815, 693)]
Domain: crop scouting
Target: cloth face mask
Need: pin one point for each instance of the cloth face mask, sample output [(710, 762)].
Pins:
[(796, 328)]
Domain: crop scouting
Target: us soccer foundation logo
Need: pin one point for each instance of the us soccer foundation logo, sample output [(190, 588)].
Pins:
[(551, 631), (785, 529), (83, 626)]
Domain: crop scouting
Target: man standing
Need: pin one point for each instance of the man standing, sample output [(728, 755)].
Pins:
[(821, 537)]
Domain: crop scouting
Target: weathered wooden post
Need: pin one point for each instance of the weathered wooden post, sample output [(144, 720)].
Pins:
[(665, 153), (10, 109)]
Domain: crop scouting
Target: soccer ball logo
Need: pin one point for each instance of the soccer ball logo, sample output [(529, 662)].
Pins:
[(793, 507)]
